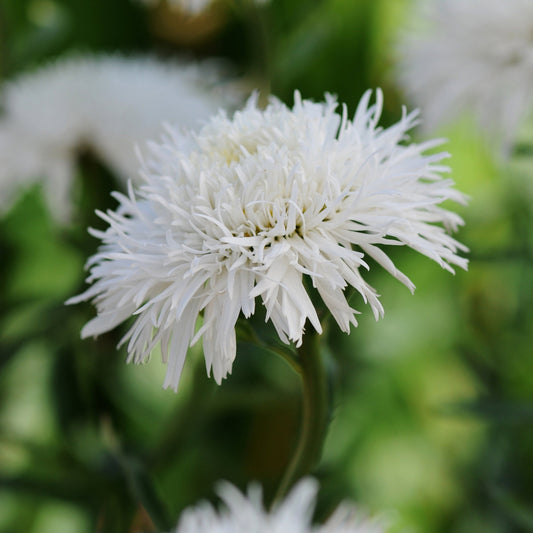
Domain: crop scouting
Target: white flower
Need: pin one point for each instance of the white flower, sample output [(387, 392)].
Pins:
[(474, 57), (192, 7), (248, 208), (245, 514), (104, 104)]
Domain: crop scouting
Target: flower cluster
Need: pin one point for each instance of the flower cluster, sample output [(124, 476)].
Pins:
[(106, 105), (246, 514), (247, 208), (472, 56)]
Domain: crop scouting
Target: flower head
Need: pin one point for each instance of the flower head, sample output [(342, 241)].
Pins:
[(245, 514), (247, 208), (472, 56), (105, 104)]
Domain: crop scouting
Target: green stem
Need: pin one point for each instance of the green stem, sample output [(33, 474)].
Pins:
[(138, 481), (285, 352), (315, 414), (259, 37), (188, 419), (145, 492)]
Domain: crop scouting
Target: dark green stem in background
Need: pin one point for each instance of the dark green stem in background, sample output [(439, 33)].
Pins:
[(139, 481), (315, 414), (259, 37), (145, 493)]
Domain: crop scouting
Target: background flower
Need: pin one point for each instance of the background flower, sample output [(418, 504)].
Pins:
[(244, 514), (193, 7), (253, 205), (473, 57), (106, 105)]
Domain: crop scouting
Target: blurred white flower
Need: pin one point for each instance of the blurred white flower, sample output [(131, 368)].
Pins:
[(248, 207), (473, 57), (104, 104), (246, 514), (193, 7)]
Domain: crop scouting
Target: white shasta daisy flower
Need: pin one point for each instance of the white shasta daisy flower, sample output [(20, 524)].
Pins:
[(245, 514), (248, 207), (474, 57), (105, 104)]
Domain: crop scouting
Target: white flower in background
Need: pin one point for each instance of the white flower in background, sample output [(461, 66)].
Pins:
[(246, 514), (248, 207), (473, 57), (104, 104), (193, 7)]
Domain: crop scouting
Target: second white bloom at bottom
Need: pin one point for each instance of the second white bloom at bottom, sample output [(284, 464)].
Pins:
[(246, 514), (247, 208)]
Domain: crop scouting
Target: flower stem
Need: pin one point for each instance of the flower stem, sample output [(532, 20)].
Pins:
[(315, 414), (259, 36), (138, 480), (142, 487)]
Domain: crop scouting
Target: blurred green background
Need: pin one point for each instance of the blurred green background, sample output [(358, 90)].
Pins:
[(433, 407)]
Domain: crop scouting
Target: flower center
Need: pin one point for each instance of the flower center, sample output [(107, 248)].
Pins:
[(232, 152)]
